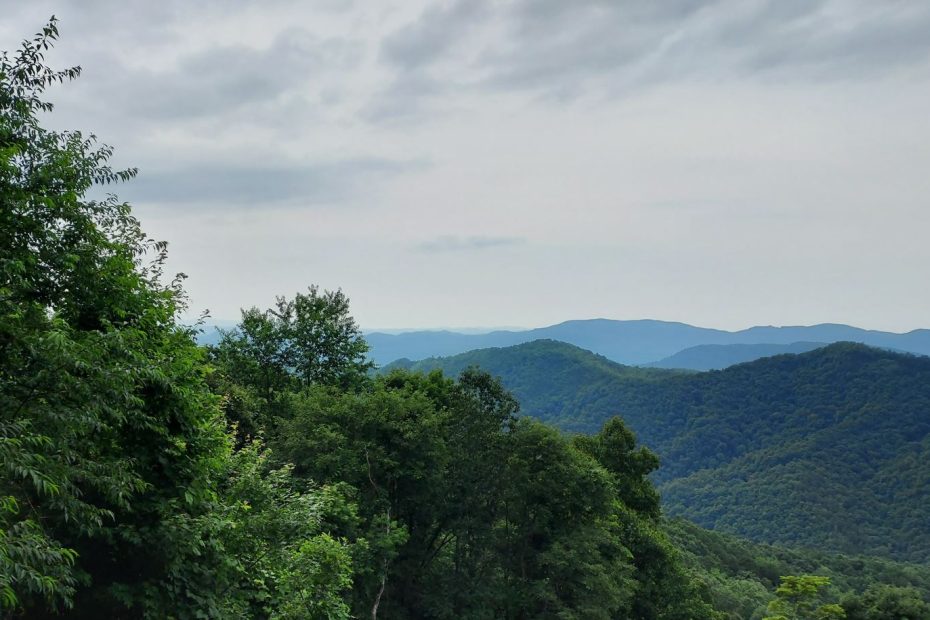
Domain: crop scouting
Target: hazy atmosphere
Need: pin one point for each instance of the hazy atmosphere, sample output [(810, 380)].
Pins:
[(518, 163)]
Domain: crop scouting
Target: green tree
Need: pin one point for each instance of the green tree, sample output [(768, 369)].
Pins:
[(801, 598), (887, 602), (614, 447), (308, 340), (469, 512), (265, 551), (108, 426), (560, 537), (388, 443)]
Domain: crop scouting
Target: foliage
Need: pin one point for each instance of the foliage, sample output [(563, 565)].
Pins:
[(768, 449), (108, 426), (739, 576), (468, 512), (887, 602), (277, 561), (308, 340), (798, 597), (119, 495)]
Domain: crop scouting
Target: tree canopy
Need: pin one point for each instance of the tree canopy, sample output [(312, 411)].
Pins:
[(116, 489)]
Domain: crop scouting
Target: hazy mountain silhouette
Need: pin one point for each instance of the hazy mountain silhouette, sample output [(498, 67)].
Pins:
[(718, 356), (635, 342)]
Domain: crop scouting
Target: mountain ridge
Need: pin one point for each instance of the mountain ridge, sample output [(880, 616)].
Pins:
[(635, 342)]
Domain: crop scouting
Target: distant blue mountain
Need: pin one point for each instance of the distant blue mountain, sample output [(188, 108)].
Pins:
[(210, 332), (720, 356), (634, 342)]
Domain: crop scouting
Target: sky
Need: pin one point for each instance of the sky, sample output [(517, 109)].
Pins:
[(468, 163)]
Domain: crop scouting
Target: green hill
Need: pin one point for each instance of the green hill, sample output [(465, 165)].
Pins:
[(828, 449), (739, 576)]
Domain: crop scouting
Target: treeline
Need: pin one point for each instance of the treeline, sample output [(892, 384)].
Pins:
[(453, 506)]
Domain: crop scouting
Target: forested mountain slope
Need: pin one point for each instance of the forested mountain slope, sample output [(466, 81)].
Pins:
[(634, 342), (825, 449), (739, 575)]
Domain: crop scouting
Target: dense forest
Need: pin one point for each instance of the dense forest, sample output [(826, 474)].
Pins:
[(826, 449), (738, 576), (273, 475)]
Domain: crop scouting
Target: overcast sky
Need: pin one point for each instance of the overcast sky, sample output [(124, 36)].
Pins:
[(475, 163)]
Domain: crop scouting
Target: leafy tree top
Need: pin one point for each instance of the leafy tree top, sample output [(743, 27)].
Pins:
[(311, 339)]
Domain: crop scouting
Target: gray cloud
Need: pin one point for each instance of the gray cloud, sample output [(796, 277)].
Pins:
[(565, 49), (404, 99), (727, 161), (458, 244), (832, 44), (219, 80), (258, 185), (434, 33), (412, 50)]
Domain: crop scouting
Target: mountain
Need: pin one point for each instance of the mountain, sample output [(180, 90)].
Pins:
[(209, 333), (633, 342), (827, 449), (739, 576), (719, 356), (386, 348)]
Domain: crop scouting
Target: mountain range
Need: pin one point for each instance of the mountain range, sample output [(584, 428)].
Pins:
[(825, 449), (643, 342)]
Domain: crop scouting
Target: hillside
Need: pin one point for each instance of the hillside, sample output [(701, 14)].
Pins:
[(767, 449), (740, 575), (634, 342)]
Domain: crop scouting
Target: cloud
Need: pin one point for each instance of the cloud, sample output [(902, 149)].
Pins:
[(436, 31), (411, 52), (222, 79), (217, 115), (404, 99), (564, 50), (673, 148), (259, 185), (459, 244)]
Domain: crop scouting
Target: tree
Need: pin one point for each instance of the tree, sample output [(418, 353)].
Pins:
[(614, 447), (120, 496), (887, 602), (559, 537), (310, 339), (108, 428), (470, 512), (266, 551), (800, 598)]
